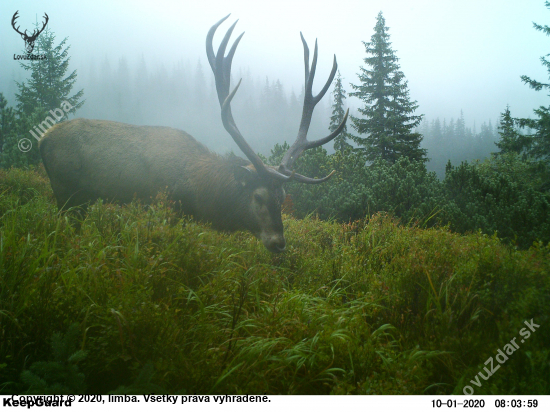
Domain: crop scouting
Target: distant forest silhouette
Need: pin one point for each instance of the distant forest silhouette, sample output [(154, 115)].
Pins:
[(183, 96)]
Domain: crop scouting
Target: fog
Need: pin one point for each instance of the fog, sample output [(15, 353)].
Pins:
[(457, 56)]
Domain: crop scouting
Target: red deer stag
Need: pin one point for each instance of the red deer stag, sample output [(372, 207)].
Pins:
[(90, 159)]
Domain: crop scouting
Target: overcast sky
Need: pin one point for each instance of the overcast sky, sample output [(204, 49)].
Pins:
[(456, 55)]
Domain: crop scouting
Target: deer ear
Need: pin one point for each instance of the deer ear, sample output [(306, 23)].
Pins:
[(245, 175)]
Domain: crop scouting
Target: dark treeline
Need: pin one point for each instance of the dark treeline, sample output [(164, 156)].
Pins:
[(266, 111), (184, 97), (453, 141)]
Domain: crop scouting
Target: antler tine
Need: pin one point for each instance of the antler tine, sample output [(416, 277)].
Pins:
[(310, 180), (306, 57), (328, 83), (301, 144), (221, 67), (209, 38), (309, 84), (320, 142)]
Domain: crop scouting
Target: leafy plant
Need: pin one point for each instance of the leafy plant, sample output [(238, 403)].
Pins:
[(60, 375)]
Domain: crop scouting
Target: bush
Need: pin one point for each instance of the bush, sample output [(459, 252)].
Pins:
[(505, 195), (499, 195), (405, 188)]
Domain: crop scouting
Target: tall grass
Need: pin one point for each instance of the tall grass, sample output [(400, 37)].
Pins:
[(369, 307)]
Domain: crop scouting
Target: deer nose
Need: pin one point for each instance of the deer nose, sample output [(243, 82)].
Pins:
[(275, 243), (278, 248)]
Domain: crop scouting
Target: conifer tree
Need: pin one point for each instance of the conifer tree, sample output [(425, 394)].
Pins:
[(540, 140), (48, 87), (510, 139), (389, 122), (60, 375), (338, 113), (7, 121)]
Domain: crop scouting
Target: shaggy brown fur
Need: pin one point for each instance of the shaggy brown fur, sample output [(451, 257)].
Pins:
[(91, 159)]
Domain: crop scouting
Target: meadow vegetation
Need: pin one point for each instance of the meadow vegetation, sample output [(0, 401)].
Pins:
[(136, 299)]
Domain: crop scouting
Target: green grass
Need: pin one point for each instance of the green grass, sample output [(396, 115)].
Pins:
[(370, 307)]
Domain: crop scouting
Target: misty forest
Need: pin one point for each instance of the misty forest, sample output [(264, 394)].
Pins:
[(423, 255)]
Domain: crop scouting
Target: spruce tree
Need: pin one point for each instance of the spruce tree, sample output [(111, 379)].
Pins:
[(60, 375), (7, 121), (47, 89), (389, 122), (338, 113), (540, 139), (48, 86), (510, 140)]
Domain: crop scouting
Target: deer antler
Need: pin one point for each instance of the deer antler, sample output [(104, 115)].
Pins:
[(302, 144), (221, 66)]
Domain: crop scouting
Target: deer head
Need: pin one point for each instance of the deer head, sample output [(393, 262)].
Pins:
[(272, 177)]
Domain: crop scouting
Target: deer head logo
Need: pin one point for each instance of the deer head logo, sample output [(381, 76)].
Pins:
[(29, 40)]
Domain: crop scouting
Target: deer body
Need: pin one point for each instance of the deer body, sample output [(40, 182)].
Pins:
[(91, 159)]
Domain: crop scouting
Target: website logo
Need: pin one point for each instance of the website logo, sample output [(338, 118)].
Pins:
[(29, 40)]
